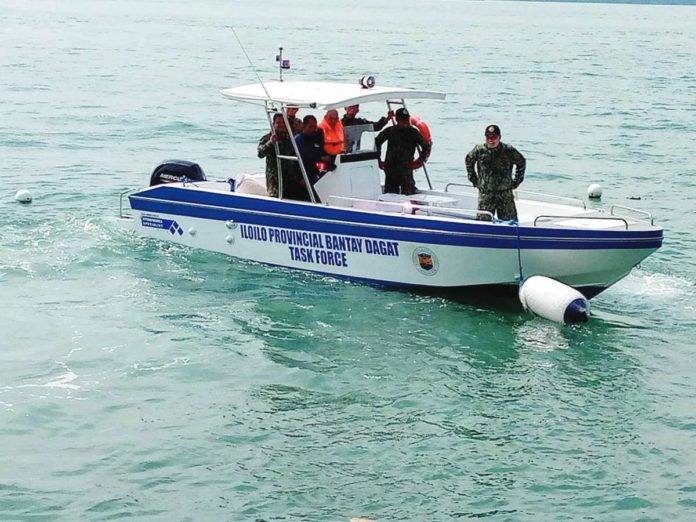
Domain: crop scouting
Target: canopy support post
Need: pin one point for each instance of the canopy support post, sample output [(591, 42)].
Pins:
[(271, 109)]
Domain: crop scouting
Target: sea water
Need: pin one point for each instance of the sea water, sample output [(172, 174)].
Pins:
[(144, 380)]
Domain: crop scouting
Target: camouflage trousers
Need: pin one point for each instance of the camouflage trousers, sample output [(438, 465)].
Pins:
[(293, 184), (399, 180), (502, 203), (272, 183)]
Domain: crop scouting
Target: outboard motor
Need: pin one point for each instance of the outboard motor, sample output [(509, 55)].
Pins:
[(171, 171)]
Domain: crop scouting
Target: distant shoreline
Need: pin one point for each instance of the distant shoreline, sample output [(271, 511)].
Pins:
[(631, 2)]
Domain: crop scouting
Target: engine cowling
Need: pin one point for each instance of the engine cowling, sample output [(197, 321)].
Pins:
[(171, 171)]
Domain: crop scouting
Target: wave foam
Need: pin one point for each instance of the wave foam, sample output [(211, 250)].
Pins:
[(657, 285)]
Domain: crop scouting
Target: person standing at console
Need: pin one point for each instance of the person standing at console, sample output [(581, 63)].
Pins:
[(398, 164)]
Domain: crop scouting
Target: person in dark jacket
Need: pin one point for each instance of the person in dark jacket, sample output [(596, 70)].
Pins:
[(398, 164), (350, 118), (489, 169), (310, 144)]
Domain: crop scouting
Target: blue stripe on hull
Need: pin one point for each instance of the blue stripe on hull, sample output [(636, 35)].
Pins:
[(490, 290), (317, 218)]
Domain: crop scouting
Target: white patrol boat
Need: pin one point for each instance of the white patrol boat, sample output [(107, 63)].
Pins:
[(351, 229)]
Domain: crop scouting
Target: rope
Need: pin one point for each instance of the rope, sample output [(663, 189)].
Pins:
[(519, 252)]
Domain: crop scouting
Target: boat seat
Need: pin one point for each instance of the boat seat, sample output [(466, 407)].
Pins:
[(427, 200), (433, 201)]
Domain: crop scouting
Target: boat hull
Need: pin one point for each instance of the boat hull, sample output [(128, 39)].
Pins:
[(391, 250)]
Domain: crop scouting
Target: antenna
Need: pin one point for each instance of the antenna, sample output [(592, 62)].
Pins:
[(250, 62), (282, 64)]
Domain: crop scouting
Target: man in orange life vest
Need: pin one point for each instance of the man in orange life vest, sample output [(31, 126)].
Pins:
[(398, 164), (333, 133)]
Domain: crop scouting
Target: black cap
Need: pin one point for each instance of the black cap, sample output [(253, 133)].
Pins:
[(402, 113), (492, 130)]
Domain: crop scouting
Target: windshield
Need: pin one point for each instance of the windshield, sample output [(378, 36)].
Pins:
[(359, 138)]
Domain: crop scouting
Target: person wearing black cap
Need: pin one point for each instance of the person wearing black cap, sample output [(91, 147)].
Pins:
[(489, 168), (398, 164)]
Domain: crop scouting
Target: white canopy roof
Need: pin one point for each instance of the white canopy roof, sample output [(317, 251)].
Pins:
[(322, 95)]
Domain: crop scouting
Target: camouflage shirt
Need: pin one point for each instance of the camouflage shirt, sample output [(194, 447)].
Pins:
[(493, 171), (295, 124), (402, 145), (266, 149)]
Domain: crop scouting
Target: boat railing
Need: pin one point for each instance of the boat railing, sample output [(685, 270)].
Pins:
[(631, 209), (615, 218), (457, 185), (537, 196), (121, 213), (406, 207)]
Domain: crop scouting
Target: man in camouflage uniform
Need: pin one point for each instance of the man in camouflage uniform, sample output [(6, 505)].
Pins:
[(398, 164), (293, 120), (267, 149), (493, 175)]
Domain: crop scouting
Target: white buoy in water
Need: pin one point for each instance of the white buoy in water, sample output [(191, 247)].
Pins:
[(23, 196), (594, 191), (553, 300)]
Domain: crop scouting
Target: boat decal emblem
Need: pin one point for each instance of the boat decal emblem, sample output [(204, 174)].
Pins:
[(165, 224), (426, 261)]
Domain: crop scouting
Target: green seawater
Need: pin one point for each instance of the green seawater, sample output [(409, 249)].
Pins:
[(148, 381)]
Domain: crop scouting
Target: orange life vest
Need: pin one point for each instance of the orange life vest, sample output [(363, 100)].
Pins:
[(333, 137)]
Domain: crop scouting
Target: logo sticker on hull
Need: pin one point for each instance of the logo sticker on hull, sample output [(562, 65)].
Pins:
[(165, 224), (426, 261)]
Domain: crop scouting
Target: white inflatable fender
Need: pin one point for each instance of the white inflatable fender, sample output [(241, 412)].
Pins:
[(554, 300), (23, 196), (594, 191)]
